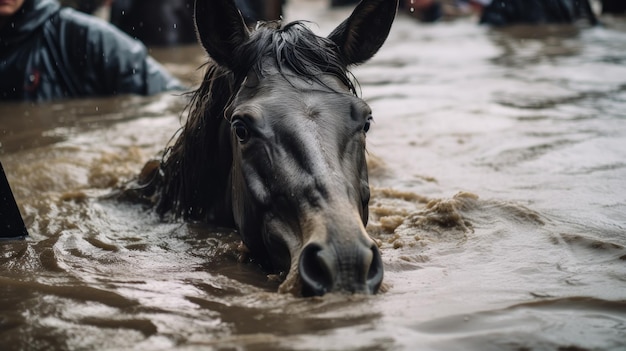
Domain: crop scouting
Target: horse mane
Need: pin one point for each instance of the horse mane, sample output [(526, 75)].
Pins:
[(297, 48), (193, 178), (191, 169)]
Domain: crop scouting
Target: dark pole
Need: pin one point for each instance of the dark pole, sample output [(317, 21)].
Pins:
[(11, 223)]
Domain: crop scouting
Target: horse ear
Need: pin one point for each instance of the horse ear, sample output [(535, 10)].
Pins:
[(361, 35), (220, 29)]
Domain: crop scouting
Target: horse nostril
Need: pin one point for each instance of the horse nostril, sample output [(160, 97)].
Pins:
[(375, 271), (316, 271), (321, 271)]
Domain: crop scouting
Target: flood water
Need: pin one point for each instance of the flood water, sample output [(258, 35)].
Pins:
[(498, 174)]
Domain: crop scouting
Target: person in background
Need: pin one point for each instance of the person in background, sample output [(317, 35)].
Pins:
[(266, 10), (338, 3), (156, 22), (614, 6), (86, 6), (503, 12), (507, 12), (168, 22), (423, 10), (49, 52)]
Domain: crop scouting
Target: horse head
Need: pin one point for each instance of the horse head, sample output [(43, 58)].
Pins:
[(291, 141)]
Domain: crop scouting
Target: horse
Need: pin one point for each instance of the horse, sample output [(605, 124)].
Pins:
[(274, 146)]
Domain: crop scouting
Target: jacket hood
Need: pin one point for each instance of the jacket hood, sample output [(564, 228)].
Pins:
[(30, 17)]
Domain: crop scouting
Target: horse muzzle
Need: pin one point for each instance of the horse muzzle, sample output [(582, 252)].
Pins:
[(340, 265)]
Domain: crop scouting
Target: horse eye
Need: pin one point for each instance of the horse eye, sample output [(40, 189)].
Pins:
[(241, 131), (368, 124)]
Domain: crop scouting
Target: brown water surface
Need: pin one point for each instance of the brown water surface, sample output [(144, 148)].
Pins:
[(498, 166)]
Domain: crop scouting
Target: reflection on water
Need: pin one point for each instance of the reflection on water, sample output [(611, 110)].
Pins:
[(497, 166)]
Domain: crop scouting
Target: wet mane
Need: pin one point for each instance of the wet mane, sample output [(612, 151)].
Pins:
[(193, 179), (297, 48)]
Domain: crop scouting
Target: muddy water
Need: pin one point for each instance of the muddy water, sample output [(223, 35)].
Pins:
[(498, 163)]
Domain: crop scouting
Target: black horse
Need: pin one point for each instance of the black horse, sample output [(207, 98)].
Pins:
[(274, 145)]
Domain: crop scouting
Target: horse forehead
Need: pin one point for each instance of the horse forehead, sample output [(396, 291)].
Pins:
[(288, 81), (320, 96), (314, 105)]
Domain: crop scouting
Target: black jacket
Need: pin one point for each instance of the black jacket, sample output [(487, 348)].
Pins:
[(48, 52), (505, 12)]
